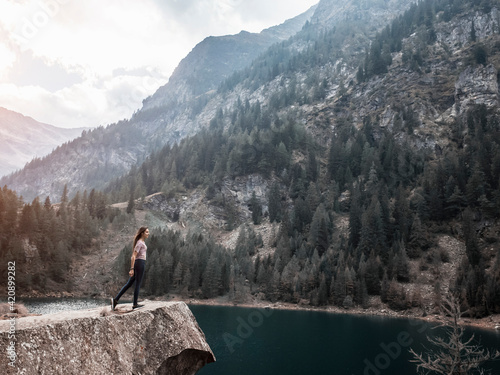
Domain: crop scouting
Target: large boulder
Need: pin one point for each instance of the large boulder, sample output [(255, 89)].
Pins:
[(159, 338)]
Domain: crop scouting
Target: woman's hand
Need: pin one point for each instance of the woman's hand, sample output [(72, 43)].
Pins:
[(131, 272)]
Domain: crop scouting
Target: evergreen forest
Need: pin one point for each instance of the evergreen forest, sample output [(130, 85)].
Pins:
[(397, 199), (44, 239)]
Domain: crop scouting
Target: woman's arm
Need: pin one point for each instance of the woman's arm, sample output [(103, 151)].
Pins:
[(131, 272)]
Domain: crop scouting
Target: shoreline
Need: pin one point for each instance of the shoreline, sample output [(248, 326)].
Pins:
[(491, 322)]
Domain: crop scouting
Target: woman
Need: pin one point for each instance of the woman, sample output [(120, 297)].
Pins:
[(138, 265)]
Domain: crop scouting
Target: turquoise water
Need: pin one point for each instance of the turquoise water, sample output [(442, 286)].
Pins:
[(252, 341), (280, 342)]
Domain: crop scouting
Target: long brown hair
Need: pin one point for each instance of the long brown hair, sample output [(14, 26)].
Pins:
[(138, 236)]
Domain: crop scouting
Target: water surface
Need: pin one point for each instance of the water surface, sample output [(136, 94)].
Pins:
[(279, 342)]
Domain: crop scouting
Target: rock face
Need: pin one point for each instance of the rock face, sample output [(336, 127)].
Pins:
[(160, 338), (216, 58), (477, 85), (202, 211), (329, 12), (457, 33)]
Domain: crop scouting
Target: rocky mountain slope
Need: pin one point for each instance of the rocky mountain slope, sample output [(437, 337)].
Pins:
[(408, 140), (167, 116), (105, 153), (23, 138), (216, 58)]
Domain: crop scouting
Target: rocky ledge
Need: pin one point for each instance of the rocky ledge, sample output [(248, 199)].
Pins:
[(159, 338)]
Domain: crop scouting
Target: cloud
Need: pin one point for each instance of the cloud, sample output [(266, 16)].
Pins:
[(87, 63), (7, 59), (35, 71), (84, 104)]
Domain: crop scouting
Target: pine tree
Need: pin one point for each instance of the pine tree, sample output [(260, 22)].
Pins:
[(319, 231), (282, 157), (313, 198), (372, 274), (211, 278), (339, 288), (355, 217), (384, 288), (302, 215), (312, 166), (131, 201), (322, 291), (241, 249), (75, 202), (256, 209), (173, 171), (372, 183), (455, 202), (471, 241), (283, 252), (274, 203), (362, 297), (288, 275), (418, 241), (27, 221), (178, 275), (402, 214), (475, 186), (372, 230), (402, 263), (64, 197)]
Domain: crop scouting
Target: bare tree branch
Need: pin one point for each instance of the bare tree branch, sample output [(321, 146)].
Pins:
[(454, 355)]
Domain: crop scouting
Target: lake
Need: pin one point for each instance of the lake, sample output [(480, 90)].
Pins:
[(281, 342)]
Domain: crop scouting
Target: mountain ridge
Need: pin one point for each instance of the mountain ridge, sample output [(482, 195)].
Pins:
[(217, 57), (131, 141), (22, 138), (93, 165)]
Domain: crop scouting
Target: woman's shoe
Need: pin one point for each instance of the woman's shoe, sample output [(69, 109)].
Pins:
[(113, 303), (137, 306)]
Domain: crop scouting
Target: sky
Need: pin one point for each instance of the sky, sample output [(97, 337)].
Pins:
[(74, 63)]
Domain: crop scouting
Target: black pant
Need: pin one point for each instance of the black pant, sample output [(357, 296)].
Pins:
[(139, 268)]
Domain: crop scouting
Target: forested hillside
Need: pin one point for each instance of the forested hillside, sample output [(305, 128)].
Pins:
[(175, 111), (398, 200), (190, 100), (44, 239), (370, 157), (398, 196)]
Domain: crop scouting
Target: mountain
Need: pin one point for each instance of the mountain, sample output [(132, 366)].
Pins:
[(23, 138), (166, 117), (106, 153), (216, 58), (409, 76), (343, 176), (350, 165)]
